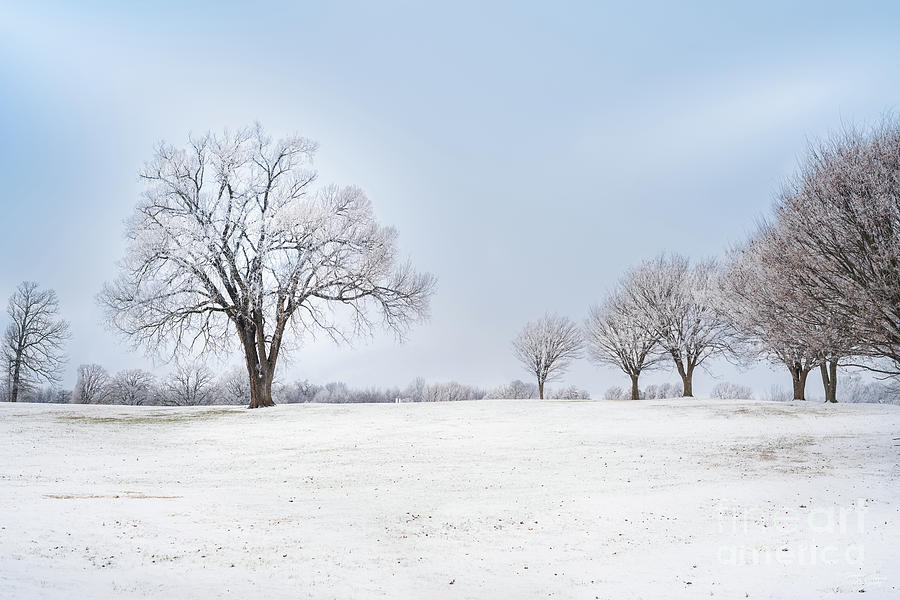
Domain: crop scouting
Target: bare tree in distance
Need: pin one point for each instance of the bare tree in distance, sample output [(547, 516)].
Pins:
[(679, 302), (615, 392), (415, 391), (234, 386), (660, 391), (33, 341), (231, 240), (514, 390), (92, 385), (302, 391), (190, 384), (616, 335), (570, 393), (450, 391), (731, 391), (547, 347), (132, 386)]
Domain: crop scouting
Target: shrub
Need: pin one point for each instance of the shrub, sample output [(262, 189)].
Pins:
[(515, 390), (615, 393), (662, 390), (570, 393), (731, 391)]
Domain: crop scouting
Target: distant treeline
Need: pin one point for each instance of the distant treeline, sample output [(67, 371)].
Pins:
[(197, 385)]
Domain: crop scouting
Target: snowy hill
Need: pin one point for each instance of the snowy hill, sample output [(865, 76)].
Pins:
[(492, 499)]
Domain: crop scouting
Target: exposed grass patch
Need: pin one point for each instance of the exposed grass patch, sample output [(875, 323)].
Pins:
[(133, 495), (785, 454), (151, 418)]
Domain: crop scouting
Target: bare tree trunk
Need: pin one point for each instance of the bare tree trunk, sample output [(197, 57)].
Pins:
[(260, 376), (260, 392), (635, 390), (798, 375), (260, 388), (829, 379), (687, 380), (687, 376), (14, 394), (833, 368), (266, 399), (541, 389)]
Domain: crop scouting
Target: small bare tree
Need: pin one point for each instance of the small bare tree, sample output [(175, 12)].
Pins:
[(92, 385), (679, 302), (132, 386), (415, 391), (618, 336), (190, 385), (33, 341), (231, 242), (547, 347)]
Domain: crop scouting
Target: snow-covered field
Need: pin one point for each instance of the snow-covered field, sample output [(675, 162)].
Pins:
[(491, 499)]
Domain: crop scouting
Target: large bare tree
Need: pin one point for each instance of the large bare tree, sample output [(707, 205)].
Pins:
[(33, 341), (679, 302), (618, 336), (767, 314), (547, 347), (785, 312), (231, 240), (840, 218)]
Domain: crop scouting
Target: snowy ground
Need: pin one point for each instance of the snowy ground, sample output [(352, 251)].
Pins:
[(492, 499)]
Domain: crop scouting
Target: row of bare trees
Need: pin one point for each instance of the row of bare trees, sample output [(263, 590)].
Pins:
[(33, 358), (816, 286), (666, 309), (670, 311), (232, 244), (185, 385)]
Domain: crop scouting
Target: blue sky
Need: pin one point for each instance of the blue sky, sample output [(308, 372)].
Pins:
[(527, 153)]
